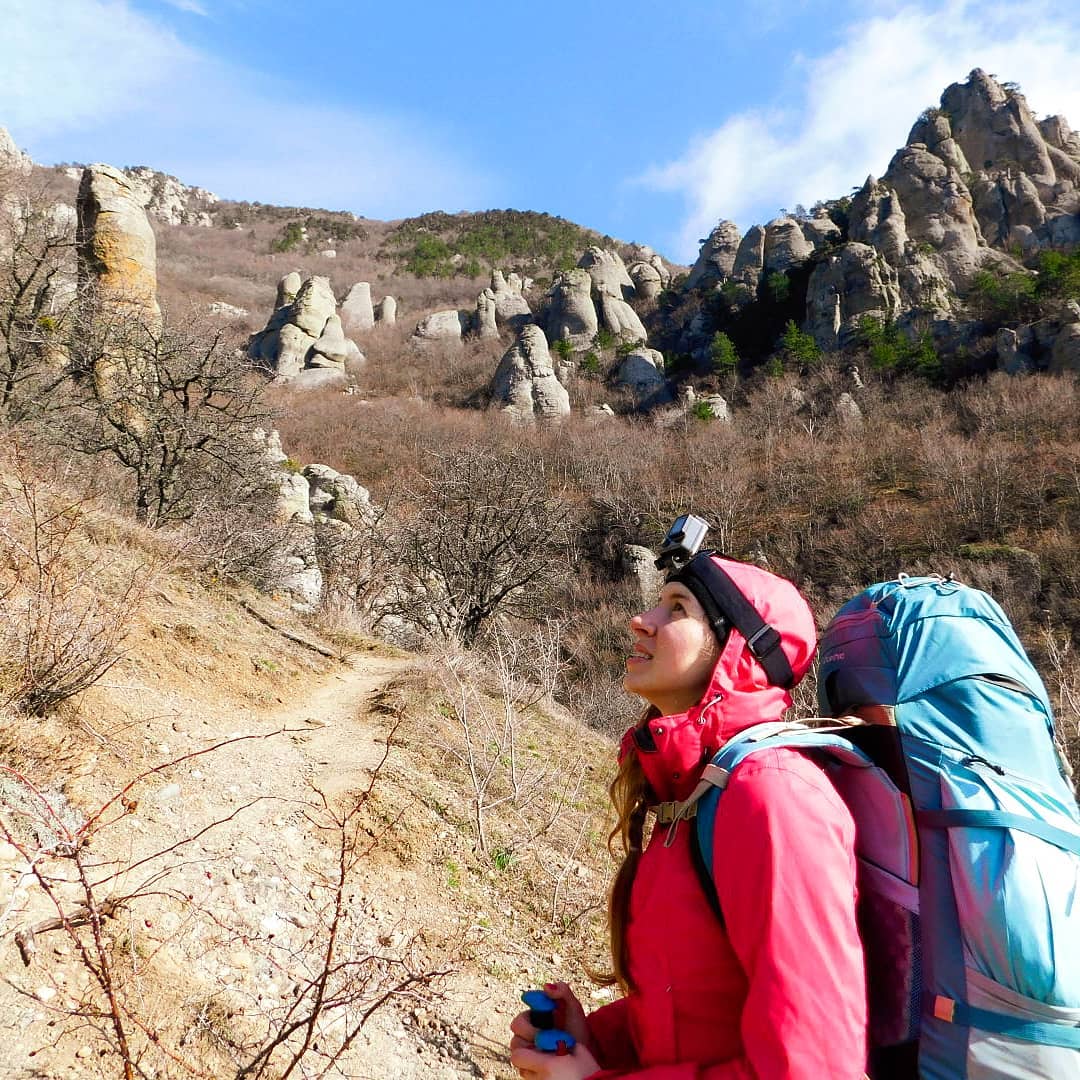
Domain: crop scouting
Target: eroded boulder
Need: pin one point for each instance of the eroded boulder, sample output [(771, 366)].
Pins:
[(357, 312), (853, 284), (785, 246), (642, 373), (607, 271), (386, 311), (620, 318), (525, 385), (117, 249), (571, 314), (511, 307), (441, 326), (716, 261)]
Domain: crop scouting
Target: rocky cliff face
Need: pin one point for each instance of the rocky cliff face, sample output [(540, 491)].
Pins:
[(979, 185)]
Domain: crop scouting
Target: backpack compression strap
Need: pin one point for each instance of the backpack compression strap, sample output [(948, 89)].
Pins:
[(725, 604)]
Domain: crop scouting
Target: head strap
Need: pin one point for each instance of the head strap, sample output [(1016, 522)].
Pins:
[(725, 605)]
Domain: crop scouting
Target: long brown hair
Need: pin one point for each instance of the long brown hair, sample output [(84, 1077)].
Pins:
[(630, 795)]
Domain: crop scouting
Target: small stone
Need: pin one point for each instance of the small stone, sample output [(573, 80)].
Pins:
[(170, 791), (84, 1052), (45, 993)]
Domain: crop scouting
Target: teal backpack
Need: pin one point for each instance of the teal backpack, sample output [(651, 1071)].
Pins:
[(968, 833)]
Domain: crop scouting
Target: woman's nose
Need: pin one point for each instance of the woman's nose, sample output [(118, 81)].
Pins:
[(641, 623)]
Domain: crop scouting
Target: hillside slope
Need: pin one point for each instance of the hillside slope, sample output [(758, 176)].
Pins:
[(225, 862)]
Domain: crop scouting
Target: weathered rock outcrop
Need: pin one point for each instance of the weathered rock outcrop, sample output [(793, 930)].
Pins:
[(511, 307), (12, 159), (716, 262), (855, 283), (117, 249), (571, 315), (486, 324), (978, 182), (525, 385), (173, 202), (336, 497), (356, 310), (445, 327), (648, 284), (619, 317), (642, 373), (386, 311), (750, 258), (785, 245), (639, 564), (607, 271), (304, 336)]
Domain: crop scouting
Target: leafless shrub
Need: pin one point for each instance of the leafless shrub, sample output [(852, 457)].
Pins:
[(338, 979), (485, 534), (65, 607), (1064, 686)]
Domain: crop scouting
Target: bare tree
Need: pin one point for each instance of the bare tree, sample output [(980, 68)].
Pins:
[(487, 534), (176, 405), (37, 270)]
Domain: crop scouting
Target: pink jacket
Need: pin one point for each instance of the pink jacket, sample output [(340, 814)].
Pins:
[(776, 991)]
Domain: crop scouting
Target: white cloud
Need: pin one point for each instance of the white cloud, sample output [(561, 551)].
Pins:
[(68, 62), (859, 101), (96, 80), (192, 6)]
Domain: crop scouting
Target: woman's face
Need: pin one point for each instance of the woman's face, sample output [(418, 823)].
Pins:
[(674, 652)]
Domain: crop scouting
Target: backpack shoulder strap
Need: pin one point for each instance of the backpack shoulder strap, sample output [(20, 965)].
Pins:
[(705, 800)]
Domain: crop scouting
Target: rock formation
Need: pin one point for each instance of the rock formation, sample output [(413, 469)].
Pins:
[(607, 271), (619, 317), (525, 385), (173, 202), (446, 327), (750, 258), (639, 563), (511, 307), (356, 310), (117, 249), (785, 245), (571, 315), (12, 159), (386, 311), (642, 373), (304, 342), (648, 283), (486, 325), (716, 261), (979, 183), (336, 497)]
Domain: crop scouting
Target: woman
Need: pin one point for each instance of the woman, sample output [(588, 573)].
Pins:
[(771, 987)]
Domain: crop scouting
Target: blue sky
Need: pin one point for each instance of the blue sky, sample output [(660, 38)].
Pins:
[(644, 120)]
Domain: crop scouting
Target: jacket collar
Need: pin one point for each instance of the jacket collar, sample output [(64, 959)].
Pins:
[(674, 749)]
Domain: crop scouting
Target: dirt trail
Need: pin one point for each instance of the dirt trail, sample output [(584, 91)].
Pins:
[(340, 745)]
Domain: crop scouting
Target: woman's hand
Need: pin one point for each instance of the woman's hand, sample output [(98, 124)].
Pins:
[(533, 1064), (570, 1017)]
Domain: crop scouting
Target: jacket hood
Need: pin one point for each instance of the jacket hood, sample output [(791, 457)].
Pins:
[(673, 749)]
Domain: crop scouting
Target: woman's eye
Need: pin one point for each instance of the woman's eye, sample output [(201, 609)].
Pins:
[(677, 606)]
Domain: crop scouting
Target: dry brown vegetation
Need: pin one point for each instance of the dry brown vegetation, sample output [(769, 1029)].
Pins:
[(982, 482)]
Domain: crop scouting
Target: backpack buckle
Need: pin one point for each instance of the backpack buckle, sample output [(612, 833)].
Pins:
[(765, 641)]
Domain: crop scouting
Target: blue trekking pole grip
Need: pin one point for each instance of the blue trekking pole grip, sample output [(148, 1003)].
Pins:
[(549, 1038)]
